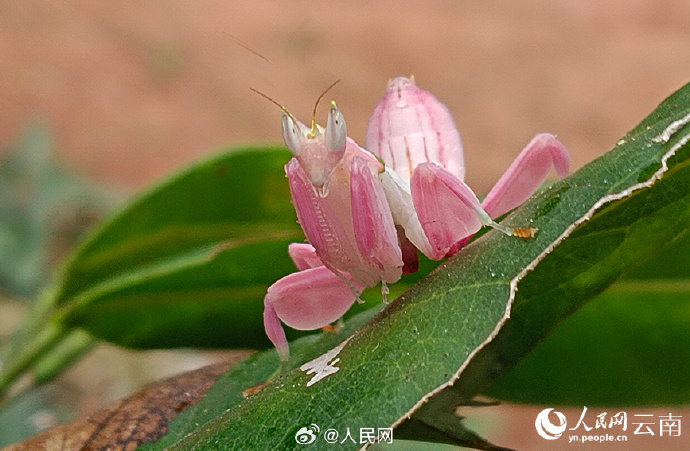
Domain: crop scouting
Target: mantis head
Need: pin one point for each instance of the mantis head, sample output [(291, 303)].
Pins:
[(317, 149)]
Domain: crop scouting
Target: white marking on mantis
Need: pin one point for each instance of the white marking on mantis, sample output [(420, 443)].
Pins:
[(324, 365), (665, 136)]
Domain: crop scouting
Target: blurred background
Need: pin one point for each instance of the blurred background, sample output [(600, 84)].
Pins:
[(99, 99)]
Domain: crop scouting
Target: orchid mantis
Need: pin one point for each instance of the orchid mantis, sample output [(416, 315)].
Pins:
[(364, 219), (344, 214)]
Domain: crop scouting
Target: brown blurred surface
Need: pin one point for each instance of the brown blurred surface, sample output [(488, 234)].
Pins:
[(136, 89)]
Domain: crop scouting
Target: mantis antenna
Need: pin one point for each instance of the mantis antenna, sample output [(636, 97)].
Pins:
[(313, 114), (246, 47), (282, 108)]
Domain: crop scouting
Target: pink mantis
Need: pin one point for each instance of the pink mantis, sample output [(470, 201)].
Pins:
[(364, 219)]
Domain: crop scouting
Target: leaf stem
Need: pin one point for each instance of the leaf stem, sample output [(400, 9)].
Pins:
[(31, 351)]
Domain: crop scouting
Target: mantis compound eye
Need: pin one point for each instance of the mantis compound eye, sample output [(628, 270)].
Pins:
[(292, 134), (336, 130)]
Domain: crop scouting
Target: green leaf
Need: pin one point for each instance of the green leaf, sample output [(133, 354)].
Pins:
[(188, 262), (229, 389), (592, 226), (641, 323), (620, 235), (437, 422)]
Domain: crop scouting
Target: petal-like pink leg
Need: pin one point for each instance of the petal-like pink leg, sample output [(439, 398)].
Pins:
[(274, 331), (304, 255), (526, 173), (447, 208), (305, 300), (310, 299), (373, 224)]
